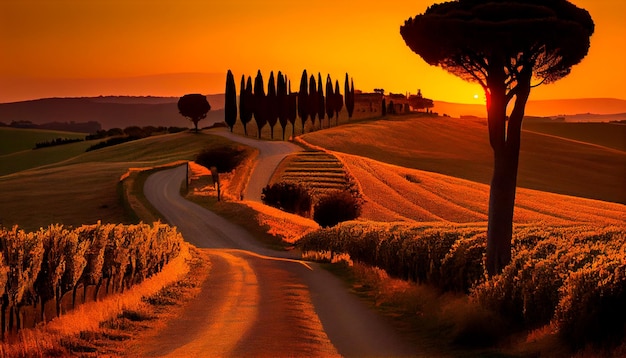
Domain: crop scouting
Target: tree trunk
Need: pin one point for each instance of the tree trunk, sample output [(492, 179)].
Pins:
[(505, 141)]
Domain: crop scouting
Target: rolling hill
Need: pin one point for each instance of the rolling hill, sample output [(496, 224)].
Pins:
[(460, 148), (110, 112)]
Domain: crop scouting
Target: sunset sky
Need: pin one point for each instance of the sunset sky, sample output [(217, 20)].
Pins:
[(169, 47)]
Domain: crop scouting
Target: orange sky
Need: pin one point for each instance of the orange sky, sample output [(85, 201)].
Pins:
[(104, 47)]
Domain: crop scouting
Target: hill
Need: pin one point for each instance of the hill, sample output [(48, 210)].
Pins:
[(460, 148), (110, 112), (546, 108)]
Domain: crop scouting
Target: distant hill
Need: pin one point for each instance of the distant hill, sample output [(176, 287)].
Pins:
[(548, 108), (110, 112), (124, 111)]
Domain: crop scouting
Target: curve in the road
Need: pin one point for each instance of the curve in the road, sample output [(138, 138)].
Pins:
[(282, 290)]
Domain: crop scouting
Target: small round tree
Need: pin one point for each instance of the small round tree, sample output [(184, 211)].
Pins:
[(502, 46), (194, 106)]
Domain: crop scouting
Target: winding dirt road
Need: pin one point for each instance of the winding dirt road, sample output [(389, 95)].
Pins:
[(255, 301)]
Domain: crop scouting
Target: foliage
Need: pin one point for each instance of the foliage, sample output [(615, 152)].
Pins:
[(56, 141), (225, 157), (260, 103), (349, 96), (128, 134), (230, 106), (573, 277), (282, 101), (336, 207), (194, 106), (303, 99), (53, 261), (502, 46), (272, 104), (246, 103), (289, 197)]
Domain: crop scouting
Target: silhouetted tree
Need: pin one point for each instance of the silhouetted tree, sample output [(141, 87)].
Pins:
[(283, 102), (260, 103), (321, 107), (330, 99), (384, 107), (338, 102), (245, 103), (292, 112), (272, 104), (194, 106), (230, 107), (313, 99), (349, 97), (502, 46), (303, 100)]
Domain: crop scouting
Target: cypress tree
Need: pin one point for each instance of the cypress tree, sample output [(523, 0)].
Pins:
[(350, 97), (321, 107), (312, 99), (338, 102), (260, 103), (292, 110), (245, 115), (303, 100), (230, 107), (272, 104), (282, 102), (330, 99), (384, 107)]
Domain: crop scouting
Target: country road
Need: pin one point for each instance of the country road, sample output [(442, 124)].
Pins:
[(256, 301)]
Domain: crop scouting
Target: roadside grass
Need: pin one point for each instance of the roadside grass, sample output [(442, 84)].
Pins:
[(611, 135), (460, 148), (82, 190), (19, 139), (244, 216)]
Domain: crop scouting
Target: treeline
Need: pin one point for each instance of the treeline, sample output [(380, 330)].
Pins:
[(313, 101), (78, 127), (128, 134), (56, 141), (39, 267), (573, 278)]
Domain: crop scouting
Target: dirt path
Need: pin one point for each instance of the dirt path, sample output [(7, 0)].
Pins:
[(258, 302), (270, 155)]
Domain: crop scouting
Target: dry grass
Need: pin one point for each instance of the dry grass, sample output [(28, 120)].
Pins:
[(460, 148), (83, 189), (394, 193)]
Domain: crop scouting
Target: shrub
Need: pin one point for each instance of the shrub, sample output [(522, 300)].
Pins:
[(289, 197), (225, 158), (336, 207)]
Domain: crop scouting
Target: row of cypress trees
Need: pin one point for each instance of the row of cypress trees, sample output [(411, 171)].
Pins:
[(280, 105)]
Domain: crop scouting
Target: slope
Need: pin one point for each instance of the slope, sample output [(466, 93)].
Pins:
[(460, 148)]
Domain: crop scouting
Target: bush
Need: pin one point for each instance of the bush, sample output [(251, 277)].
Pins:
[(289, 197), (225, 158), (336, 207)]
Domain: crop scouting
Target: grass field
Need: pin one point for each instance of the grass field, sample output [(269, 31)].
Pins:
[(17, 139), (394, 193), (84, 189), (610, 135), (460, 148)]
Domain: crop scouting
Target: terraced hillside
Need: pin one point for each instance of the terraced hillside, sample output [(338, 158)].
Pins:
[(319, 171)]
